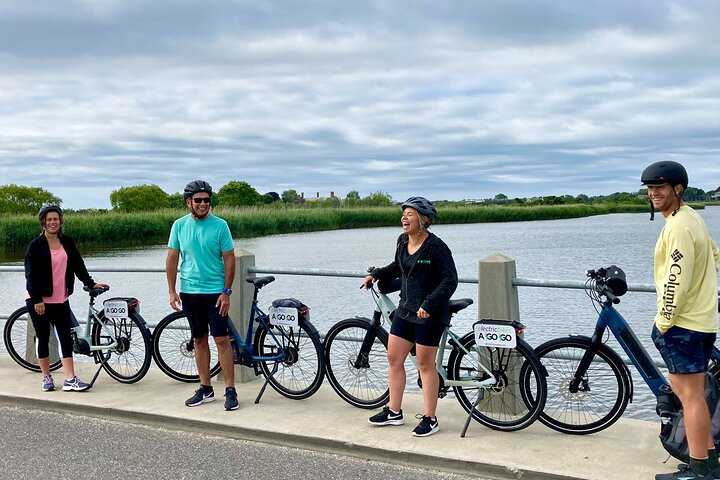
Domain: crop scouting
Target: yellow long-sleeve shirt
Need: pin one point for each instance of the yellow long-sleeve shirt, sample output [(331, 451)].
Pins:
[(686, 267)]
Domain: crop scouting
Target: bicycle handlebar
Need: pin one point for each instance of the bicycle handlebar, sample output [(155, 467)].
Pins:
[(609, 281)]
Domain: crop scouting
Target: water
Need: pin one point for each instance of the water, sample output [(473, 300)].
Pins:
[(552, 249)]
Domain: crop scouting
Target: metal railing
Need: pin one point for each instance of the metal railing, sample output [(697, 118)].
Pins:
[(317, 272)]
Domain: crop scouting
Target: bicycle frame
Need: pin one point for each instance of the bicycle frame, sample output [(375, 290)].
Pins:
[(245, 345), (85, 333), (385, 306), (610, 318)]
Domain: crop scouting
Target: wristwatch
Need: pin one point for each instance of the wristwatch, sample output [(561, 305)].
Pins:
[(227, 291)]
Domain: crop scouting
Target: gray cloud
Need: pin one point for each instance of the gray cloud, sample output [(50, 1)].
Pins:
[(447, 99)]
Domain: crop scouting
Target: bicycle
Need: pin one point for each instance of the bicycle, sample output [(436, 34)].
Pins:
[(500, 387), (117, 337), (590, 384), (285, 348)]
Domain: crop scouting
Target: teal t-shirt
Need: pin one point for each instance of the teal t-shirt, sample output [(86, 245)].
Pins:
[(201, 244)]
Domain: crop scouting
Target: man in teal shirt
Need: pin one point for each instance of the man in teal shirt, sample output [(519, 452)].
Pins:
[(204, 243)]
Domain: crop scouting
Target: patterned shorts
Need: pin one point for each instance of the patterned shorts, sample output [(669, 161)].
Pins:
[(684, 351)]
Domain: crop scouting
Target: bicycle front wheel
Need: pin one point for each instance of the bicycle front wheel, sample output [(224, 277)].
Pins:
[(356, 362), (599, 399), (174, 350), (517, 397), (20, 341), (300, 373), (129, 359)]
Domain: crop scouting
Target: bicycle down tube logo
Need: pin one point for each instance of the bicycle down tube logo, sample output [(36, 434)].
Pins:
[(495, 335), (286, 316)]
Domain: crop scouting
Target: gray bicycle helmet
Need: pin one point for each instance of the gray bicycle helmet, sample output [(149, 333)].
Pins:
[(49, 207), (197, 186), (422, 205), (665, 172)]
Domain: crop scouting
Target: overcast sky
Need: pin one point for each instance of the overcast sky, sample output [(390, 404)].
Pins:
[(446, 99)]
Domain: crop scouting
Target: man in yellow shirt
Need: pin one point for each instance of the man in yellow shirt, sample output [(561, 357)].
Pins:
[(686, 266)]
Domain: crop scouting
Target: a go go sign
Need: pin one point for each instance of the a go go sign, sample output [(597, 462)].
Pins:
[(115, 308), (495, 335), (287, 316)]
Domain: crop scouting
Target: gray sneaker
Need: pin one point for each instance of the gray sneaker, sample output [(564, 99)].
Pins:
[(48, 385), (75, 385), (387, 417)]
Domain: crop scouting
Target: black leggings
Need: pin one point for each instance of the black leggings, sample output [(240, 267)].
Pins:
[(57, 314)]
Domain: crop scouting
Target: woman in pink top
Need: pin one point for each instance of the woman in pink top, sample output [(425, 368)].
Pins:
[(52, 261)]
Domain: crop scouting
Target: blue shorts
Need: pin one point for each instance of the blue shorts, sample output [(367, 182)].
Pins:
[(425, 334), (684, 351), (201, 312)]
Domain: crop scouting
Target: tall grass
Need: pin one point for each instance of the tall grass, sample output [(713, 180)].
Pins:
[(131, 229)]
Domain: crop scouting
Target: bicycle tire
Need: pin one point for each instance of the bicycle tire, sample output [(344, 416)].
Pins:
[(130, 360), (15, 336), (301, 374), (592, 409), (174, 351), (518, 397), (366, 386)]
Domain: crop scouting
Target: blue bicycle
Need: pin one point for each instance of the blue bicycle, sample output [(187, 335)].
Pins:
[(285, 347), (589, 385)]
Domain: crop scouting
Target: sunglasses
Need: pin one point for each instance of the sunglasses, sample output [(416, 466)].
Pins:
[(198, 201)]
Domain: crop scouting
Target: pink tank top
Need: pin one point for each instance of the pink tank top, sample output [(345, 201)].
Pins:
[(59, 268)]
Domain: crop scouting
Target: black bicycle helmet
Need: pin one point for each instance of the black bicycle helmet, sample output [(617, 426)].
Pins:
[(665, 172), (197, 186), (49, 207), (422, 205)]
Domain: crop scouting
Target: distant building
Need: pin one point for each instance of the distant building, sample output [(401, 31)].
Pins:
[(316, 197)]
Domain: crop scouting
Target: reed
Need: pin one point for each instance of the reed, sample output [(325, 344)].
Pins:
[(116, 229)]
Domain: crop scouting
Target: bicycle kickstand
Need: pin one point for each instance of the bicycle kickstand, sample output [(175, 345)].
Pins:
[(262, 390), (92, 382), (467, 422)]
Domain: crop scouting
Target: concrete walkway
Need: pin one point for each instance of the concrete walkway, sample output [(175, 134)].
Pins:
[(628, 450)]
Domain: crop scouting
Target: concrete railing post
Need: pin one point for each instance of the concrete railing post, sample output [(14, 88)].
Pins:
[(240, 305), (498, 300), (497, 296)]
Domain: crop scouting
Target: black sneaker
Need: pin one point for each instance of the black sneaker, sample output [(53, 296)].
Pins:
[(387, 417), (426, 427), (231, 401), (684, 473), (202, 395)]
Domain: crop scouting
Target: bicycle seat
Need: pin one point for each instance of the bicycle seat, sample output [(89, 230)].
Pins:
[(94, 292), (260, 282), (460, 304)]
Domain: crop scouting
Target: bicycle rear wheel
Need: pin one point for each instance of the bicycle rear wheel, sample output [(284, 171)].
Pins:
[(301, 372), (517, 398), (602, 395), (20, 341), (174, 350), (358, 377), (129, 360)]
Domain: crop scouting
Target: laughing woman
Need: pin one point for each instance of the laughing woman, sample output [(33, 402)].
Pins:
[(429, 278)]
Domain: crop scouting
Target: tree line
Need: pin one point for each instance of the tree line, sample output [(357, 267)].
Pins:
[(18, 199)]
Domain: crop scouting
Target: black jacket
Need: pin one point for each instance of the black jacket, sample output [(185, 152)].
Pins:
[(38, 268), (429, 284)]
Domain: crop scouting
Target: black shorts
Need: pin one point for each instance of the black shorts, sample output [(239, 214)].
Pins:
[(425, 334), (201, 312)]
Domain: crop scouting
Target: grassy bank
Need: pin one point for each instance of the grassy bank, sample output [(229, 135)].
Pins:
[(132, 229)]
